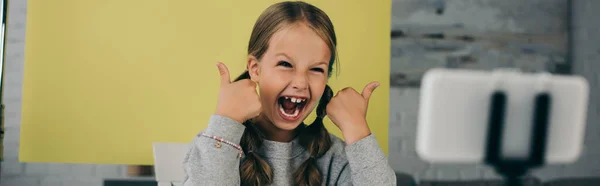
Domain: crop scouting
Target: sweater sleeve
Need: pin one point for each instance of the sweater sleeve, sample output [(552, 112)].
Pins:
[(205, 163), (368, 165)]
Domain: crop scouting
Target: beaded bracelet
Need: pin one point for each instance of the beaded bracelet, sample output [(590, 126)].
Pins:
[(221, 140)]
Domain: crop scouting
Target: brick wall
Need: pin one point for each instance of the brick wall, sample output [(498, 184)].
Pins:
[(534, 37), (477, 18)]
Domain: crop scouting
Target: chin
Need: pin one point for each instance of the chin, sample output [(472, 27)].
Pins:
[(283, 124), (286, 126)]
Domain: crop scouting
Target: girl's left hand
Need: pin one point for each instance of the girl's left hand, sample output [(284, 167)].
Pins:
[(348, 111)]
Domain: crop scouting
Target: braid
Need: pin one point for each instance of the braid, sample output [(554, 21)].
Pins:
[(245, 75), (254, 170), (315, 139)]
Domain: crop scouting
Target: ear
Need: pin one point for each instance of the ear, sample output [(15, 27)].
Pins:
[(253, 68)]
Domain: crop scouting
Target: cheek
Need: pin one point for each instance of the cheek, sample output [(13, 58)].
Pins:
[(317, 85), (267, 92), (269, 89)]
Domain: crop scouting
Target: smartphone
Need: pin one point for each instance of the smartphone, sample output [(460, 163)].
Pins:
[(454, 114)]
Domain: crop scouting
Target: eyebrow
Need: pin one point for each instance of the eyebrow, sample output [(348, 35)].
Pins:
[(286, 56), (322, 63), (283, 54)]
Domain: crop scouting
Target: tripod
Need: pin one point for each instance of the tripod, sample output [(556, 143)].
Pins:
[(513, 169)]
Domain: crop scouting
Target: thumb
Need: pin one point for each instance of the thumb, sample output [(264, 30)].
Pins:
[(366, 93), (224, 73)]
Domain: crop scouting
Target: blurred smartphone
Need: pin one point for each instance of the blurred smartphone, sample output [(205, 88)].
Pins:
[(454, 113)]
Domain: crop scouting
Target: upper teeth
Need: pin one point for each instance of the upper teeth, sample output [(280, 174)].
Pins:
[(296, 100)]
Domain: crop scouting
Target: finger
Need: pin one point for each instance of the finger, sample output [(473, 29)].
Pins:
[(344, 90), (224, 73), (258, 109), (250, 83), (369, 90)]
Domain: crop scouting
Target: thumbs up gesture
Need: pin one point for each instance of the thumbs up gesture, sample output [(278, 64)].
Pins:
[(348, 111), (237, 100)]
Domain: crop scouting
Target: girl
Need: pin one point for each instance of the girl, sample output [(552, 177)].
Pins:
[(291, 54)]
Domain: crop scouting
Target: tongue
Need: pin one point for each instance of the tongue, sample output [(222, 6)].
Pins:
[(288, 106)]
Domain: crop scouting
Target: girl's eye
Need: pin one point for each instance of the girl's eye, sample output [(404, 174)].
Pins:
[(318, 70), (284, 63)]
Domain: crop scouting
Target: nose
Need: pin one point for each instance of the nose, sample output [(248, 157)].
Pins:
[(300, 82)]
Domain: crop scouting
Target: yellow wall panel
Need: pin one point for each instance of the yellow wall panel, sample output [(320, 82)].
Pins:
[(104, 79)]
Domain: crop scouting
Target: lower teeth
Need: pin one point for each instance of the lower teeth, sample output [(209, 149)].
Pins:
[(296, 112)]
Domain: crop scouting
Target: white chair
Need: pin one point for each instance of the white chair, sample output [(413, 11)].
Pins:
[(168, 159)]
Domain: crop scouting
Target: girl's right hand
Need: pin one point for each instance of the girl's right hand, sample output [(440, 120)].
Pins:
[(237, 100)]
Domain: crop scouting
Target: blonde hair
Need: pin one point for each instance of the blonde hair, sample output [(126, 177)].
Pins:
[(254, 170)]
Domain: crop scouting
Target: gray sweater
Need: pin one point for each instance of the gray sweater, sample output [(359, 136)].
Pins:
[(360, 163)]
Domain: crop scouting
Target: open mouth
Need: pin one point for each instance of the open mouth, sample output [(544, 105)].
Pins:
[(291, 107)]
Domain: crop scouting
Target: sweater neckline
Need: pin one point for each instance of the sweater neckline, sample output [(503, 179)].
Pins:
[(282, 150)]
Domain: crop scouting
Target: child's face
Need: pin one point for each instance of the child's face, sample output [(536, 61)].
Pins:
[(291, 75)]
